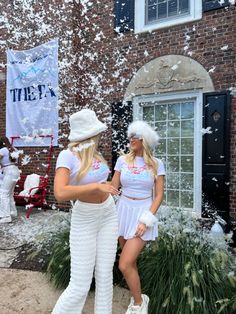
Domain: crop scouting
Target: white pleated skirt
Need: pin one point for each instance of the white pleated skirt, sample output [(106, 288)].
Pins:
[(129, 211)]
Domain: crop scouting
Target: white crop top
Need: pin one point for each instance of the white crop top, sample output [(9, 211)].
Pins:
[(97, 173), (137, 181), (5, 160)]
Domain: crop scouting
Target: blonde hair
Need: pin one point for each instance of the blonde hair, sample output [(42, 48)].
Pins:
[(86, 151), (149, 160)]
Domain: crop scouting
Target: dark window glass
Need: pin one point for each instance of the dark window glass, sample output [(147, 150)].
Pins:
[(162, 9), (152, 13), (172, 7), (184, 6)]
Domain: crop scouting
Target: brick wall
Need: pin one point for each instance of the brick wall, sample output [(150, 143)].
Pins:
[(24, 28), (206, 44), (215, 30)]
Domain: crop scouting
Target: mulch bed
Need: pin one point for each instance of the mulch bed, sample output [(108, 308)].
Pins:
[(30, 258)]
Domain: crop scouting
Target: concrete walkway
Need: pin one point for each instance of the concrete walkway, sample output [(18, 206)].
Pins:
[(29, 292)]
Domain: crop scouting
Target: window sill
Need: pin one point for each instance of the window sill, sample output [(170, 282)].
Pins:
[(166, 24)]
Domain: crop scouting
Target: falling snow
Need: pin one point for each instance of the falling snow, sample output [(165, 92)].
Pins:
[(26, 27)]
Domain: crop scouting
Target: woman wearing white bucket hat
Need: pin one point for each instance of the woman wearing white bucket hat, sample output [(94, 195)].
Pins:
[(139, 174), (81, 174)]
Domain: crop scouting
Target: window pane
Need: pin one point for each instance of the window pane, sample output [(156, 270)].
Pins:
[(187, 199), (186, 146), (173, 163), (161, 148), (187, 128), (186, 164), (152, 13), (160, 112), (161, 129), (173, 146), (186, 181), (148, 113), (174, 112), (173, 129), (184, 6), (173, 181), (187, 111), (172, 7), (173, 198), (162, 10)]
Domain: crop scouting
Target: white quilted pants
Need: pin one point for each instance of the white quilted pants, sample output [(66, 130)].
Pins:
[(7, 203), (93, 242)]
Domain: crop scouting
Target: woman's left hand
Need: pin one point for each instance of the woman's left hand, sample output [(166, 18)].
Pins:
[(141, 229)]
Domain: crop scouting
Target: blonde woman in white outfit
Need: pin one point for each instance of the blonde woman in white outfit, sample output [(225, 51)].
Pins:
[(10, 176), (141, 177), (81, 174)]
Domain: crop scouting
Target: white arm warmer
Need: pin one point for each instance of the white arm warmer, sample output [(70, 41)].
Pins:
[(148, 218)]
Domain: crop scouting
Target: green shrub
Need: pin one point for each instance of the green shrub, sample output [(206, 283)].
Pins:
[(58, 269), (185, 272)]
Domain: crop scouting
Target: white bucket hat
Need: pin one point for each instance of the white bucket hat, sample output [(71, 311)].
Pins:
[(84, 124), (143, 130)]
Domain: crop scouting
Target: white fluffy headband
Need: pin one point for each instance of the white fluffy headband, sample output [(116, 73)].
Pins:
[(143, 130)]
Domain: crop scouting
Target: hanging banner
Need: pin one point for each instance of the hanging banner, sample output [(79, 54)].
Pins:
[(32, 94)]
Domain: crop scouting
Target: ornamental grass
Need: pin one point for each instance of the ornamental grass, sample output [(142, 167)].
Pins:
[(58, 269), (186, 271)]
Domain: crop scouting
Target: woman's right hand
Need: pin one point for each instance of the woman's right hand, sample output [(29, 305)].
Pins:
[(93, 192), (108, 188)]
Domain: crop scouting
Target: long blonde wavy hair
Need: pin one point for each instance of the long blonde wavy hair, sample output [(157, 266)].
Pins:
[(148, 157), (86, 151)]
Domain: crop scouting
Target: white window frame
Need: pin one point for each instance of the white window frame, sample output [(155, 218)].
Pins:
[(196, 97), (140, 27)]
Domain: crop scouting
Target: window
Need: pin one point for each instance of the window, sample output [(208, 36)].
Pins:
[(178, 123), (157, 10), (155, 14)]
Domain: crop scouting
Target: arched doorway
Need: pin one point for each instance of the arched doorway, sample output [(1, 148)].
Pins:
[(168, 93)]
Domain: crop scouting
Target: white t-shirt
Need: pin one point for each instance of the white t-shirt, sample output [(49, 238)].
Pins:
[(5, 160), (136, 180), (97, 173)]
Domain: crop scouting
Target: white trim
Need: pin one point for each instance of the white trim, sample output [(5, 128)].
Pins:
[(195, 96), (139, 17), (198, 154)]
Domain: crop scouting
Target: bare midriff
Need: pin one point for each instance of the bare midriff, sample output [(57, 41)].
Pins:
[(95, 198)]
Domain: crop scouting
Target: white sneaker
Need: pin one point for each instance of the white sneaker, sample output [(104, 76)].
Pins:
[(14, 214), (130, 306), (138, 309), (144, 305), (5, 219)]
